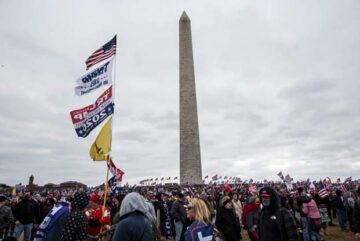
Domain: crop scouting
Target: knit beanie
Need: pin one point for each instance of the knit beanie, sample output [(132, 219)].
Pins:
[(224, 200)]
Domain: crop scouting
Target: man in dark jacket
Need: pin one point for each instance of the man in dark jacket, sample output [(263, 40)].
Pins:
[(178, 212), (275, 223), (340, 209), (135, 220), (27, 215)]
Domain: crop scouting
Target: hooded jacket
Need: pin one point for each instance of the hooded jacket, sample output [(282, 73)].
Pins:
[(275, 223), (135, 220)]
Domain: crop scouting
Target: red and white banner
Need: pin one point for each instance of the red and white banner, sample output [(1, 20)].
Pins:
[(114, 170), (89, 117)]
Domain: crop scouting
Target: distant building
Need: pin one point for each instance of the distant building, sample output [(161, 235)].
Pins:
[(51, 186), (72, 185)]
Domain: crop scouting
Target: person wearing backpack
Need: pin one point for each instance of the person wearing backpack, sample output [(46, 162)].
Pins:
[(275, 223)]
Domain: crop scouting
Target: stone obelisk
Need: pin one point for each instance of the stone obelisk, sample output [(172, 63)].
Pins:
[(190, 158)]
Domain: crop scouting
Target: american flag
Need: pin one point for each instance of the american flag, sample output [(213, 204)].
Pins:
[(323, 193), (343, 188), (105, 52)]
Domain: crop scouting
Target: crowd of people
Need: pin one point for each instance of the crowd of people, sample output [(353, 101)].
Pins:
[(266, 211)]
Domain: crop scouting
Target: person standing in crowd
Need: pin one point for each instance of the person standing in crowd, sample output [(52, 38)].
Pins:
[(6, 216), (312, 212), (26, 215), (303, 198), (237, 205), (349, 203), (76, 223), (45, 208), (135, 220), (250, 217), (178, 212), (201, 227), (96, 219), (53, 224), (338, 204), (227, 222), (275, 223), (162, 207), (356, 215)]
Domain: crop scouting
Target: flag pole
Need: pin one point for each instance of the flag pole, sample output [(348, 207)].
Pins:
[(105, 194), (106, 190)]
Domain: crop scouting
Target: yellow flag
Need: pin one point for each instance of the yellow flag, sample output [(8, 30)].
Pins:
[(13, 193), (102, 145)]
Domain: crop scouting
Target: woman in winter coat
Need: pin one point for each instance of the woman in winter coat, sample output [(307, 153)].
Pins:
[(135, 220), (250, 217), (313, 213), (227, 222)]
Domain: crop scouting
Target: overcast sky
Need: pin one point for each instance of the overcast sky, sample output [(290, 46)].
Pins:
[(277, 88)]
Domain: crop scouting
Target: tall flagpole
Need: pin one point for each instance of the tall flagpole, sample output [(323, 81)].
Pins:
[(111, 134)]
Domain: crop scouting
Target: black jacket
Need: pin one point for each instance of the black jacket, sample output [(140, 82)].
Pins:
[(27, 211), (276, 223), (356, 217), (178, 211), (228, 224)]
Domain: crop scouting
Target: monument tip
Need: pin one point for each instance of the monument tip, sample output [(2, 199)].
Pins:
[(184, 17)]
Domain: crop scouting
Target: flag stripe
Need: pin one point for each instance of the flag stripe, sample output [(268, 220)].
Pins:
[(106, 51), (96, 56), (101, 57)]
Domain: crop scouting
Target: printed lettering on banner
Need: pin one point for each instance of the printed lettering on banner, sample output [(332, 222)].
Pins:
[(101, 76), (89, 117)]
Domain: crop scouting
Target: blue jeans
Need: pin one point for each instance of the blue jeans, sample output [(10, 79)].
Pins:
[(178, 229), (23, 227), (315, 232), (305, 228), (341, 215)]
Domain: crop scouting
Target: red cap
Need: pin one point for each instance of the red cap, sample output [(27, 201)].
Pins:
[(95, 198), (227, 188), (264, 194)]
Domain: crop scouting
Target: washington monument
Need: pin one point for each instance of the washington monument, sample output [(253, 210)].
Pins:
[(190, 157)]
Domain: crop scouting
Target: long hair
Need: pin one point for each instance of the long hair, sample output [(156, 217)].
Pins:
[(201, 210)]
